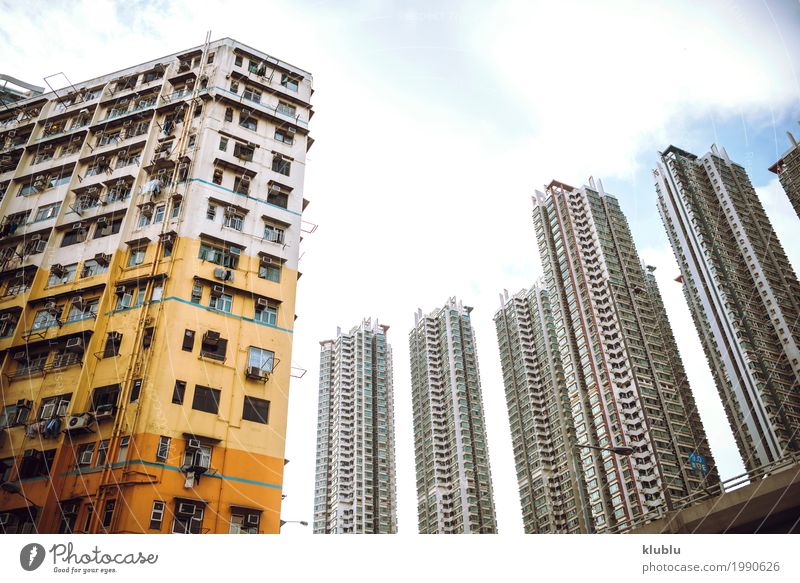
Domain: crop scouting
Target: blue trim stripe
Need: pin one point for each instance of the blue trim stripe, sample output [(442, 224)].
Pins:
[(261, 200), (173, 469), (171, 298)]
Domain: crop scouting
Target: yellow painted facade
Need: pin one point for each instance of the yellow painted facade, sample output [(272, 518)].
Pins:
[(186, 332)]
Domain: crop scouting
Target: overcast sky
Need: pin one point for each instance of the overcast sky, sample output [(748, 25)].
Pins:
[(435, 122)]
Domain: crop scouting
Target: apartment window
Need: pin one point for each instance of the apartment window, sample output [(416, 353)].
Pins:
[(244, 152), (85, 455), (210, 58), (147, 337), (43, 156), (238, 60), (60, 274), (107, 228), (213, 346), (223, 303), (136, 390), (113, 343), (223, 144), (162, 453), (241, 184), (157, 515), (243, 522), (197, 456), (122, 454), (187, 522), (179, 392), (252, 94), (270, 272), (260, 358), (82, 309), (102, 453), (228, 114), (188, 340), (289, 82), (45, 318), (91, 268), (284, 136), (176, 209), (266, 314), (74, 236), (108, 513), (136, 257), (248, 122), (278, 198), (206, 399), (286, 109), (234, 220), (281, 165), (47, 212), (211, 212), (256, 410), (105, 139), (158, 215), (219, 256), (273, 233), (234, 87), (105, 398), (54, 407)]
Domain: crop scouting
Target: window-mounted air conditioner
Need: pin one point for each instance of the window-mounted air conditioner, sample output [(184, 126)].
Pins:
[(75, 344), (193, 443)]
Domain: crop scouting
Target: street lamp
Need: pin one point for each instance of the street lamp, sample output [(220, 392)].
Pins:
[(300, 522), (623, 450)]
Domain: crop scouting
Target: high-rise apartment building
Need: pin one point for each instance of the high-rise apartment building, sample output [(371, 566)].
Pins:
[(148, 267), (743, 295), (623, 381), (454, 481), (356, 486), (788, 171), (542, 429)]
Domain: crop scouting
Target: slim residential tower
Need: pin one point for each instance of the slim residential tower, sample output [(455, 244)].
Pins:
[(623, 382), (454, 482), (542, 430), (788, 171), (743, 295), (148, 265), (355, 487)]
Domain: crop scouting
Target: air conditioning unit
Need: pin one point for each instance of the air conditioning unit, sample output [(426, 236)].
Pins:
[(236, 251), (266, 260), (230, 211), (31, 454), (84, 112), (39, 247), (102, 221), (211, 338), (103, 259), (147, 210), (115, 336), (38, 180), (52, 308), (292, 130), (120, 290), (245, 180), (185, 509), (77, 226), (24, 404), (220, 273), (255, 372), (193, 444), (69, 508), (5, 317), (75, 345), (19, 355), (262, 302), (217, 291), (57, 269), (252, 520), (78, 422), (77, 301)]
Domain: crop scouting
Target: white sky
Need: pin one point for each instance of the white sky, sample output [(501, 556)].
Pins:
[(433, 127)]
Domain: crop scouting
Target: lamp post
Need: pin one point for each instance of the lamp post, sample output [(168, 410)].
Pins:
[(622, 450), (300, 522)]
